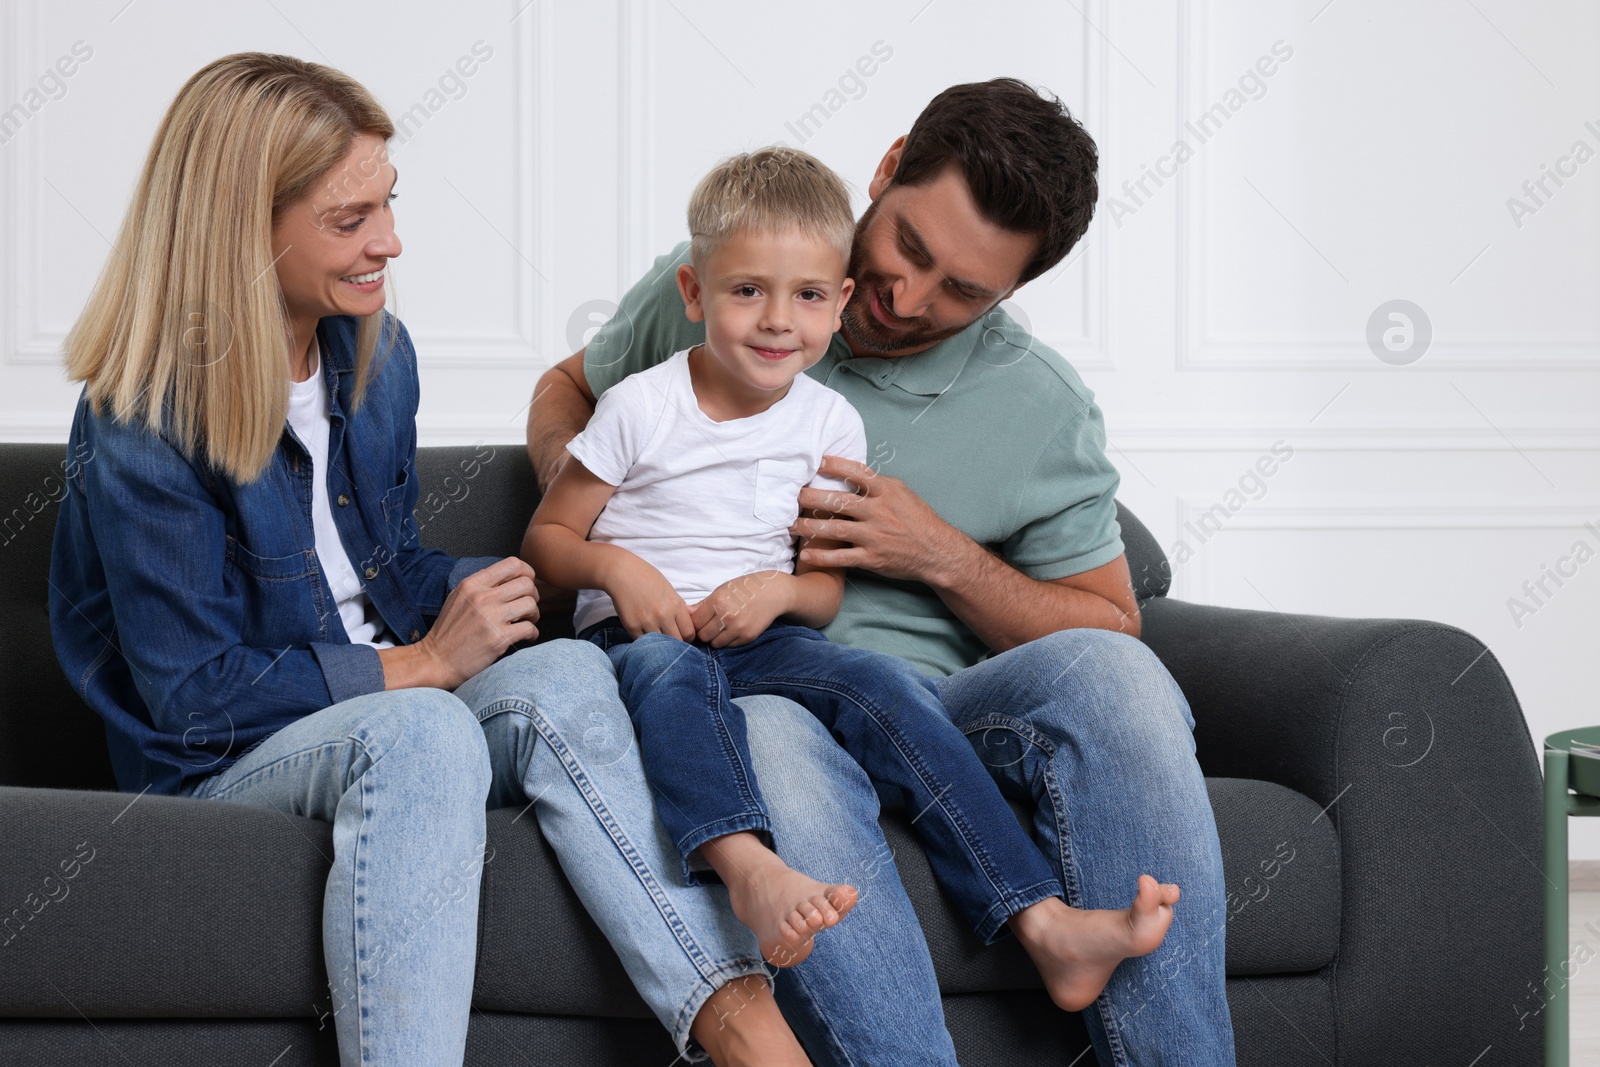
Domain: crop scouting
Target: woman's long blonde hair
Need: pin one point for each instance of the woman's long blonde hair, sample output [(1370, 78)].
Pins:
[(186, 328)]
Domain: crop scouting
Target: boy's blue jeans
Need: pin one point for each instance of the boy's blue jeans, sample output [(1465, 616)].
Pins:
[(881, 709)]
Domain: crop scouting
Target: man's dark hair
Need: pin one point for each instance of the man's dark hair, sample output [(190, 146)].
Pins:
[(1029, 163)]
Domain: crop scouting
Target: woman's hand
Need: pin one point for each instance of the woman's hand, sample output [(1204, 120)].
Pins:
[(645, 601), (487, 613), (738, 610)]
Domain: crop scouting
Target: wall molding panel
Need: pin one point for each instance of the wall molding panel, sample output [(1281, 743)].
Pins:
[(1246, 438), (1199, 348), (528, 246), (23, 337), (1195, 580)]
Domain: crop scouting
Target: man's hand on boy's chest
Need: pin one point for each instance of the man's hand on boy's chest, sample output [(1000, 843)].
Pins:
[(887, 528), (890, 530)]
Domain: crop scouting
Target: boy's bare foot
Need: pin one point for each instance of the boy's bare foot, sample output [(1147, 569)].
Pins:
[(1076, 950), (784, 908), (740, 1026)]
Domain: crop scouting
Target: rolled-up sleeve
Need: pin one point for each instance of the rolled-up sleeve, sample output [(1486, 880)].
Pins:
[(351, 670)]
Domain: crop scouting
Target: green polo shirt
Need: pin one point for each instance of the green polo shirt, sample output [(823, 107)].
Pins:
[(993, 429)]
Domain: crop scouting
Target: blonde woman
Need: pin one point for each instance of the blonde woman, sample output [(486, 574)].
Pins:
[(238, 588)]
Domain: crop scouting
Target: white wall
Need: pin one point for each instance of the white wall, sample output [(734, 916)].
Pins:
[(1217, 312)]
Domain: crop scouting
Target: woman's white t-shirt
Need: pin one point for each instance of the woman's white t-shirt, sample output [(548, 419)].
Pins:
[(308, 414), (705, 501)]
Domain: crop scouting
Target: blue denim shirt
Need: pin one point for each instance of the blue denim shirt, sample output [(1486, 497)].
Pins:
[(192, 613)]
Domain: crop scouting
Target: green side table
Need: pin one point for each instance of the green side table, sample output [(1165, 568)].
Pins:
[(1571, 787)]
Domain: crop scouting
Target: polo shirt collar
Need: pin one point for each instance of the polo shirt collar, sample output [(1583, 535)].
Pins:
[(927, 373)]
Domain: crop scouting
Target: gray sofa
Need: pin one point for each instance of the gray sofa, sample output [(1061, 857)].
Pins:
[(1374, 784)]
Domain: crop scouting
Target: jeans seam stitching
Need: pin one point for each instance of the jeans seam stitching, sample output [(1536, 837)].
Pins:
[(820, 1021), (1071, 884), (717, 678), (686, 942), (719, 976), (699, 835), (357, 911), (988, 931), (1069, 872)]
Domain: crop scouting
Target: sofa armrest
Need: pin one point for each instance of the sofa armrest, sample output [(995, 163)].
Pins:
[(1409, 735)]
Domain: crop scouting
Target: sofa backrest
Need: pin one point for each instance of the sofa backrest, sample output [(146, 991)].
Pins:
[(47, 735), (472, 501)]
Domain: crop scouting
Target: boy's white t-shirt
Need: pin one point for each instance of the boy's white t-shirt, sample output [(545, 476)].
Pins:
[(308, 414), (700, 500)]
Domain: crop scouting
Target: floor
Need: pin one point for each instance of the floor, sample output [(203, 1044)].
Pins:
[(1584, 923)]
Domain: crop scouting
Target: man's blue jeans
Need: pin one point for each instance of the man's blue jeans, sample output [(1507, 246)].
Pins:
[(883, 711), (1087, 724)]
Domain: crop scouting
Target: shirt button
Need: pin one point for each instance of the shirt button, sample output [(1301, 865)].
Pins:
[(371, 573), (416, 635), (344, 501)]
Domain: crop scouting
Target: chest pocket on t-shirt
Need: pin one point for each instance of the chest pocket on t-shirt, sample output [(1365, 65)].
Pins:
[(778, 483)]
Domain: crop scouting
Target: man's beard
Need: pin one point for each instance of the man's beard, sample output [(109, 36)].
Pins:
[(863, 329)]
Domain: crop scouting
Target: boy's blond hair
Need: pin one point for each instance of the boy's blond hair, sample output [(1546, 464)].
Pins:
[(766, 191), (187, 324)]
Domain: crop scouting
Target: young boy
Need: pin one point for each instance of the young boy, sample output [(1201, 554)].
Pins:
[(672, 517)]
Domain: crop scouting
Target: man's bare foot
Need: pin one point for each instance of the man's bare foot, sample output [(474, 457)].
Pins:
[(784, 908), (740, 1026), (1076, 950)]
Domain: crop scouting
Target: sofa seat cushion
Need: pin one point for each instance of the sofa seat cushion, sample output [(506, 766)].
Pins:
[(1280, 863), (118, 904), (1280, 868), (179, 907)]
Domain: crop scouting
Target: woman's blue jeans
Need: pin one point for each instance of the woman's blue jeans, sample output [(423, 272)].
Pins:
[(883, 711), (404, 777)]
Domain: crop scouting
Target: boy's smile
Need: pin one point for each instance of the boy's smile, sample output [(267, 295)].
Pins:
[(771, 304)]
